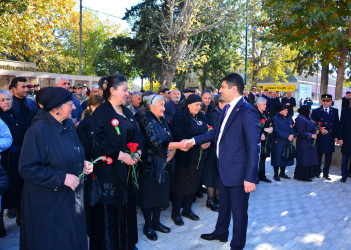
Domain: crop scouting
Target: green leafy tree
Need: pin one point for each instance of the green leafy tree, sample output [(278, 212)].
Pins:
[(318, 27)]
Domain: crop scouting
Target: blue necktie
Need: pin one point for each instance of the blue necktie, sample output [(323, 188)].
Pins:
[(226, 111)]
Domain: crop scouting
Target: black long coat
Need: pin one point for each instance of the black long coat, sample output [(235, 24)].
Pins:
[(52, 214), (155, 172), (282, 128), (345, 130), (188, 170), (9, 160), (306, 154), (267, 143)]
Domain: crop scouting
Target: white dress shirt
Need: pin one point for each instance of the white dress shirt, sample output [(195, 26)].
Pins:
[(230, 109)]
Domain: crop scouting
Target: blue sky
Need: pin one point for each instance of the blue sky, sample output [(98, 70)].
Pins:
[(112, 7)]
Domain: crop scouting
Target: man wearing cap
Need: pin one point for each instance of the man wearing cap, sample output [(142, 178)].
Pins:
[(346, 100), (63, 82), (329, 118), (290, 102)]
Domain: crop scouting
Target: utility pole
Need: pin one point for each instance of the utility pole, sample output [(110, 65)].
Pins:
[(317, 82), (247, 13), (80, 36)]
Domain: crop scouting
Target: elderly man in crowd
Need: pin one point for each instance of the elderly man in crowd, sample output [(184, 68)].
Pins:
[(172, 106), (95, 90), (63, 82)]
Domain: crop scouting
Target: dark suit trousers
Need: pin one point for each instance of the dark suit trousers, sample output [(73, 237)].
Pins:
[(344, 163), (262, 167), (233, 200), (327, 162)]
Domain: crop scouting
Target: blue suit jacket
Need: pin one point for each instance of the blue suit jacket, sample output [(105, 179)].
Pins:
[(239, 147)]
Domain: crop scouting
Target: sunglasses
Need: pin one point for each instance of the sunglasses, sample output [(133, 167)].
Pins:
[(325, 101)]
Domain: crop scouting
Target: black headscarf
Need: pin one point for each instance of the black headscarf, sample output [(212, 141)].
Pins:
[(280, 107), (53, 97), (305, 111), (193, 98)]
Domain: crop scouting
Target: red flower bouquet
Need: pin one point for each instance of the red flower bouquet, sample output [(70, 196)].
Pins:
[(132, 148)]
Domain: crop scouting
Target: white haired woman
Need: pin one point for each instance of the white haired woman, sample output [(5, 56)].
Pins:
[(159, 150)]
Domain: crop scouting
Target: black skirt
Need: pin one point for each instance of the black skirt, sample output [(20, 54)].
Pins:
[(210, 176), (151, 193), (304, 173), (114, 227)]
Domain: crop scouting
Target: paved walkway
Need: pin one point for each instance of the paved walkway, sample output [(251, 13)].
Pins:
[(285, 215)]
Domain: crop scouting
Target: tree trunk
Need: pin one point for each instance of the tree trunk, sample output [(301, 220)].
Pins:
[(341, 69), (324, 80), (167, 77)]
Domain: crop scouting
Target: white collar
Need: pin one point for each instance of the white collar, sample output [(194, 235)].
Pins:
[(234, 102)]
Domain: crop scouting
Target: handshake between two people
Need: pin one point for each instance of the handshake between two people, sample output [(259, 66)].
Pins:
[(185, 144)]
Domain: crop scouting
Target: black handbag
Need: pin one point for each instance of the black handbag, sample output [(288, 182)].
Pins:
[(289, 151), (92, 191)]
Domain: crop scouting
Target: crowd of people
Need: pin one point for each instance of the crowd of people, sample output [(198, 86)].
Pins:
[(80, 161)]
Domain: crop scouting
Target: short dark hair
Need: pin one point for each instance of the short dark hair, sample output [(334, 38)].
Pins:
[(14, 81), (165, 90), (112, 81), (235, 79)]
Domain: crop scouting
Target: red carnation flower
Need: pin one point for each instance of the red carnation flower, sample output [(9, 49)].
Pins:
[(94, 176)]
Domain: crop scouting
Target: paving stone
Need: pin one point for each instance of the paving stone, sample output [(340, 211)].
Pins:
[(286, 215)]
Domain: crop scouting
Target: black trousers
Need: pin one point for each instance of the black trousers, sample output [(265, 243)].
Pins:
[(151, 216), (262, 167), (327, 163), (177, 203), (233, 201)]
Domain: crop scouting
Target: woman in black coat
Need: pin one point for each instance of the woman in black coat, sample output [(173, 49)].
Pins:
[(306, 152), (10, 158), (113, 219), (283, 134), (5, 143), (210, 175), (51, 162), (189, 165), (266, 138), (159, 150)]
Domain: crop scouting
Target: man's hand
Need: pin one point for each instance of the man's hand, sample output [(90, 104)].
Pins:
[(287, 104), (187, 145), (249, 187), (170, 155), (324, 131), (341, 142), (206, 145)]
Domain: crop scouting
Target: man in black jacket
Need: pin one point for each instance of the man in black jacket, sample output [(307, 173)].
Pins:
[(290, 102), (23, 107), (346, 100), (252, 96), (272, 105)]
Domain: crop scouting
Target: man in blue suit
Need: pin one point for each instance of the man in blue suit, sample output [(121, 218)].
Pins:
[(290, 102), (329, 118), (237, 140)]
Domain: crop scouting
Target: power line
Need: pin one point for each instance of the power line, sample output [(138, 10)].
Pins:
[(103, 13)]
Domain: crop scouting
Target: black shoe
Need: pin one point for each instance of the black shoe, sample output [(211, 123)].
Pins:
[(318, 176), (211, 204), (212, 236), (284, 176), (162, 228), (217, 201), (257, 181), (2, 232), (265, 180), (276, 178), (327, 177), (343, 180), (150, 234), (177, 220), (203, 190), (191, 216)]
